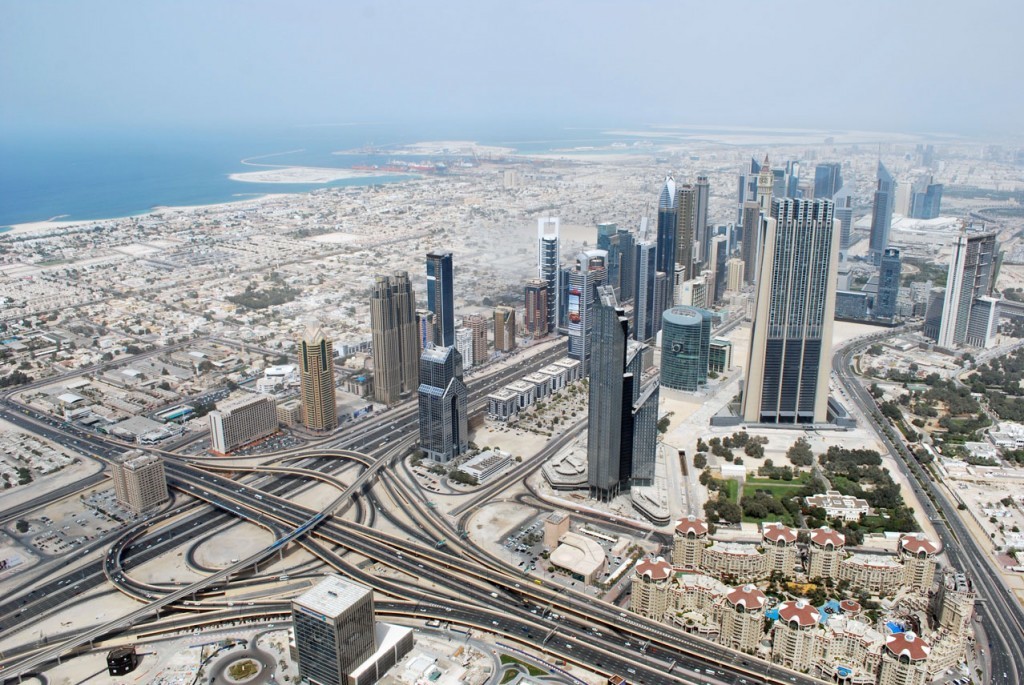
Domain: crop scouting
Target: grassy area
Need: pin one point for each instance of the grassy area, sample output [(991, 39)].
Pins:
[(507, 660), (779, 489), (509, 676), (732, 489)]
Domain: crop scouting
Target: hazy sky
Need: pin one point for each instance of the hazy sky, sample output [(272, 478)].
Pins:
[(921, 65)]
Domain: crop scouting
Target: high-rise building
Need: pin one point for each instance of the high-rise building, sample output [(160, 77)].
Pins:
[(464, 345), (695, 292), (905, 660), (967, 311), (685, 341), (478, 325), (747, 190), (645, 295), (139, 481), (765, 189), (751, 234), (396, 345), (424, 328), (316, 376), (441, 297), (926, 200), (734, 274), (242, 420), (719, 255), (622, 244), (791, 341), (881, 214), (888, 284), (686, 228), (666, 248), (828, 179), (536, 310), (702, 230), (844, 215), (622, 430), (504, 329), (584, 279), (443, 416), (549, 266), (334, 630)]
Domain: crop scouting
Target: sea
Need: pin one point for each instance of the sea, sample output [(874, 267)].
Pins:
[(83, 175)]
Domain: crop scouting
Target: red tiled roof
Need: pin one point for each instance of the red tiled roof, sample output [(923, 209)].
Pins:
[(826, 536), (908, 644), (747, 596), (916, 543), (655, 569), (777, 531), (692, 524), (800, 611)]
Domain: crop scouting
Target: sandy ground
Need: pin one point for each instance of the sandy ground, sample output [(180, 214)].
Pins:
[(301, 174)]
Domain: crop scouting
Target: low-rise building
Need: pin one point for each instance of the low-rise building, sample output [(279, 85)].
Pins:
[(836, 505), (581, 557), (486, 464)]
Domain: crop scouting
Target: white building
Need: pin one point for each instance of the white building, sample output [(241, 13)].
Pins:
[(242, 420)]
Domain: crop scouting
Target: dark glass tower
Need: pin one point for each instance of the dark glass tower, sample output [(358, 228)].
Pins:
[(667, 227), (646, 303), (685, 346), (441, 297), (888, 284), (828, 179), (549, 268), (442, 404), (881, 214)]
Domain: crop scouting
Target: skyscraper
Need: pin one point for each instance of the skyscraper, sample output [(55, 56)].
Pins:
[(504, 329), (622, 244), (701, 229), (881, 214), (719, 255), (765, 188), (394, 329), (751, 234), (888, 284), (334, 629), (549, 266), (967, 314), (316, 376), (478, 325), (464, 344), (685, 346), (926, 200), (686, 229), (622, 430), (424, 329), (240, 420), (588, 273), (441, 297), (747, 190), (844, 215), (828, 179), (791, 340), (442, 405), (140, 483), (536, 317), (666, 238), (646, 306)]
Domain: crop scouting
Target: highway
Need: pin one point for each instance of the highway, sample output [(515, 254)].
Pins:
[(1003, 613)]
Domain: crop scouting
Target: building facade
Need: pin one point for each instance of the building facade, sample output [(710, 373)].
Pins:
[(685, 346), (333, 623), (549, 261), (791, 342), (889, 271), (583, 281), (139, 481), (750, 248), (646, 296), (316, 379), (443, 417), (504, 329), (536, 311), (441, 297), (477, 325), (396, 343), (967, 318), (881, 214), (242, 420)]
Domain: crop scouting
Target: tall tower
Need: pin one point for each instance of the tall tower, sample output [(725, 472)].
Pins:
[(685, 344), (442, 404), (828, 179), (666, 238), (719, 255), (686, 229), (701, 228), (791, 341), (504, 329), (441, 297), (622, 431), (478, 325), (316, 375), (844, 215), (584, 279), (765, 184), (888, 284), (334, 629), (548, 265), (396, 348), (536, 317), (751, 235), (967, 312), (424, 329), (645, 296), (881, 214)]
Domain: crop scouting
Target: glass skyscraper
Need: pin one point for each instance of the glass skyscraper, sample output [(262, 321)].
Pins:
[(441, 297), (685, 345), (968, 316), (881, 214), (442, 404), (334, 629), (791, 339), (667, 227), (828, 179), (645, 292), (549, 267), (583, 280), (396, 349), (888, 284)]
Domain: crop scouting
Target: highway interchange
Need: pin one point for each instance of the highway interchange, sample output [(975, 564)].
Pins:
[(452, 582)]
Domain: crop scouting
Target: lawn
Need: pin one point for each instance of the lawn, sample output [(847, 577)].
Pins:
[(778, 488), (732, 488), (532, 670)]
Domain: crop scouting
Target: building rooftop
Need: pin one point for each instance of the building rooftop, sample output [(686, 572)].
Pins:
[(825, 536), (916, 543), (579, 554), (655, 569), (747, 596), (332, 596), (801, 611), (777, 532), (692, 524), (909, 645)]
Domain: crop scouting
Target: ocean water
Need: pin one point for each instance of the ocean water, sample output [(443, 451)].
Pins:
[(97, 175)]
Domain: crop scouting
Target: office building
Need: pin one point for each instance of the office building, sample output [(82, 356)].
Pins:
[(888, 284), (666, 238), (695, 292), (583, 280), (239, 421), (333, 624), (396, 338), (750, 248), (791, 341), (702, 231), (685, 345), (851, 305), (618, 243), (719, 256), (504, 329), (441, 297), (926, 200), (881, 214), (828, 179), (536, 310), (478, 325), (424, 329), (549, 266), (139, 481), (316, 379), (844, 215), (734, 274), (646, 303), (442, 404), (622, 430), (933, 312), (719, 355), (686, 229), (747, 186), (967, 316), (464, 345)]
